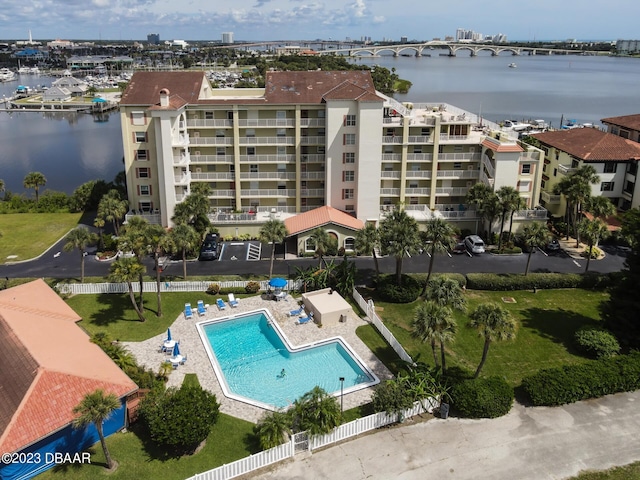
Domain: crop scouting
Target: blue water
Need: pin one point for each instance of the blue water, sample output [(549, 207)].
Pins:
[(252, 356)]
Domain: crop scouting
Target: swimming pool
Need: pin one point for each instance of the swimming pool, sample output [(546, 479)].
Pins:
[(255, 363)]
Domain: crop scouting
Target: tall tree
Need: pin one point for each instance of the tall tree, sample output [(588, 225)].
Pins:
[(434, 323), (583, 178), (96, 408), (534, 235), (79, 238), (134, 237), (486, 202), (367, 241), (273, 429), (184, 238), (509, 199), (159, 244), (519, 204), (592, 231), (112, 208), (320, 238), (446, 292), (273, 231), (316, 412), (127, 270), (399, 237), (600, 207), (35, 180), (439, 237), (493, 323)]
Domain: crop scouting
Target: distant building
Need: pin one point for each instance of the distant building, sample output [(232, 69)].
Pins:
[(404, 39), (628, 46), (177, 43), (153, 39), (60, 44), (227, 37)]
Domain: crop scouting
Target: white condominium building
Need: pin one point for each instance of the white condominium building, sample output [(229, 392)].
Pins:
[(306, 140)]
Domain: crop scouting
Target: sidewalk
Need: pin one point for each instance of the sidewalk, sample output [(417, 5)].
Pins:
[(569, 246), (528, 443)]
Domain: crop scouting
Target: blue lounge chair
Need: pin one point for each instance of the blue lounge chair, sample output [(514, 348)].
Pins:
[(202, 310), (303, 320), (295, 313), (188, 313), (221, 304), (232, 300)]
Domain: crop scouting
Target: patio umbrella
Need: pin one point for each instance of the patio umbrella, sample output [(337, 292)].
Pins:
[(168, 334), (278, 282), (176, 350)]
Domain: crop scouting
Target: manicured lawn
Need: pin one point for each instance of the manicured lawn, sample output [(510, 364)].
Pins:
[(628, 472), (546, 321), (138, 458), (27, 235)]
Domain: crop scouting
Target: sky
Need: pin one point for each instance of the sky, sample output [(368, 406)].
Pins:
[(312, 19)]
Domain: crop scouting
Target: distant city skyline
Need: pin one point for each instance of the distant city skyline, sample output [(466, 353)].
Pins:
[(307, 20)]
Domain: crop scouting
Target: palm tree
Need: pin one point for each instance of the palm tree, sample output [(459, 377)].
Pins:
[(493, 323), (273, 429), (96, 407), (446, 292), (112, 208), (320, 238), (486, 202), (509, 201), (592, 231), (128, 270), (316, 412), (600, 207), (99, 223), (563, 187), (439, 237), (367, 241), (399, 237), (274, 231), (159, 243), (520, 204), (34, 180), (534, 235), (184, 238), (134, 238), (79, 238), (434, 323)]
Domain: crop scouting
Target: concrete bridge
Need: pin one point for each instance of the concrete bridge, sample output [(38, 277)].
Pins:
[(418, 49)]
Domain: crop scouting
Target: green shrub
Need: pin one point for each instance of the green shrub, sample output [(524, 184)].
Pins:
[(596, 342), (252, 287), (483, 397), (514, 281), (407, 292), (572, 383), (595, 253), (391, 397), (213, 289)]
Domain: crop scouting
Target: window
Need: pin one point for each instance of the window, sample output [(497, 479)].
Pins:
[(138, 118), (624, 133), (253, 168), (143, 172), (632, 168), (144, 190), (251, 132), (457, 148), (457, 165), (142, 155), (349, 139), (610, 167), (310, 245), (281, 114), (320, 150), (424, 132), (349, 242), (145, 207), (348, 176), (281, 132), (321, 132), (350, 121), (208, 115), (350, 208), (220, 151), (220, 133), (574, 163), (628, 186), (526, 169), (349, 157), (524, 186), (347, 193), (321, 114), (555, 172), (417, 149), (251, 151), (543, 184), (140, 137), (282, 168), (281, 151), (391, 132), (607, 186)]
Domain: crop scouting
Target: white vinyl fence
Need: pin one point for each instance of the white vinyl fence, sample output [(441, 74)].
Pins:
[(287, 450), (94, 288)]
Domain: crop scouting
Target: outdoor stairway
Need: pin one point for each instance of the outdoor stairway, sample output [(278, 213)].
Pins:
[(253, 252)]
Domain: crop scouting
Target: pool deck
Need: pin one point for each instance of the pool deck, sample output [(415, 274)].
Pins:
[(148, 353)]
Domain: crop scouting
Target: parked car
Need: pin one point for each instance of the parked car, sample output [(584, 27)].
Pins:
[(553, 246), (474, 244), (209, 248), (459, 248)]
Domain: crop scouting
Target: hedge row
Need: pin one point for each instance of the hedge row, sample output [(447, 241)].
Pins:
[(515, 281), (572, 383), (483, 397)]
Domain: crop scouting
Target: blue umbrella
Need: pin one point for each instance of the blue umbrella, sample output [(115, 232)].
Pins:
[(168, 334), (176, 350), (278, 282)]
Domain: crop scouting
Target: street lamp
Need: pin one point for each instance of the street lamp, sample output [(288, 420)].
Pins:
[(341, 394)]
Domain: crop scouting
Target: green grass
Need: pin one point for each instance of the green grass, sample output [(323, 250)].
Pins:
[(138, 458), (546, 324), (27, 235), (627, 472)]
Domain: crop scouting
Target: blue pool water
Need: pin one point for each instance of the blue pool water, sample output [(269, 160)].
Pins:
[(251, 354)]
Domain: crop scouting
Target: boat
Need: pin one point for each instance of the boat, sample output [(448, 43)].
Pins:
[(6, 75), (513, 65)]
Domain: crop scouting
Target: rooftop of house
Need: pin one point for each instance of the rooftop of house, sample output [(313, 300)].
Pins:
[(591, 144), (319, 217), (632, 122), (50, 365)]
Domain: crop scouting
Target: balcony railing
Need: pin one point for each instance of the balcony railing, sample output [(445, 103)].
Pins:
[(536, 214), (419, 157), (212, 176), (219, 193), (268, 158), (313, 140), (312, 122), (445, 137), (458, 173), (180, 140), (267, 122), (417, 191), (267, 175), (181, 159), (390, 192), (312, 175), (459, 157), (550, 198), (565, 170), (418, 174), (490, 168), (312, 192), (452, 191), (312, 158), (195, 141), (267, 141), (268, 192), (182, 179), (196, 159), (391, 157), (152, 218), (197, 123), (394, 174)]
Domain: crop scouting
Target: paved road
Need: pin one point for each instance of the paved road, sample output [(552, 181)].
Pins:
[(528, 443)]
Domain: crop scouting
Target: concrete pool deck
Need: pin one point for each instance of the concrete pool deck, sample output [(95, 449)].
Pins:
[(148, 353)]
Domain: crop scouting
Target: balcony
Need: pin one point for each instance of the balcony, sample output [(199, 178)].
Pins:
[(219, 193), (268, 140), (267, 175), (184, 179), (268, 158), (490, 168), (197, 123), (459, 157), (390, 192), (393, 174), (452, 191), (415, 192), (418, 174), (565, 170), (267, 122), (312, 175), (420, 157), (549, 198), (199, 159), (152, 218), (204, 141), (312, 158), (392, 139), (268, 192), (445, 137), (312, 192), (458, 174), (181, 159), (538, 213), (312, 122), (391, 157), (212, 176), (180, 140), (313, 140)]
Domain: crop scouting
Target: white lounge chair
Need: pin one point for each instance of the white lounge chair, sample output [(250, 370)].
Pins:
[(232, 300)]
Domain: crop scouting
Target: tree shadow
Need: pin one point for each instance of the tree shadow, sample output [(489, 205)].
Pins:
[(112, 309), (153, 450), (558, 326)]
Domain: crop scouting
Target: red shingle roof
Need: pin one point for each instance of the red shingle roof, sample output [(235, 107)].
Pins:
[(591, 144), (319, 217), (52, 365), (144, 87), (632, 122), (498, 146)]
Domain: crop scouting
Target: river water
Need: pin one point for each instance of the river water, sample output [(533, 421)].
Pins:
[(73, 148)]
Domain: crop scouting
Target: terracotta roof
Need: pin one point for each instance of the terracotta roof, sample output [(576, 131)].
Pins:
[(632, 122), (498, 146), (53, 365), (350, 91), (144, 87), (319, 217), (591, 144)]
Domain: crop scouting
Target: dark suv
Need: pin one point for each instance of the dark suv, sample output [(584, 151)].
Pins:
[(209, 248)]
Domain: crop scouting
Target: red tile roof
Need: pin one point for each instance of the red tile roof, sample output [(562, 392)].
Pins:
[(498, 146), (632, 122), (144, 87), (53, 365), (591, 144), (319, 217)]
